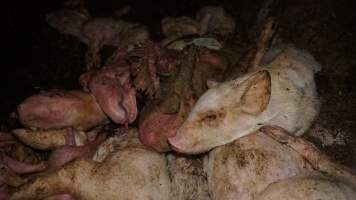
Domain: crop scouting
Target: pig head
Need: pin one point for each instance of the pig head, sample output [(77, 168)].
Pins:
[(113, 92), (282, 93)]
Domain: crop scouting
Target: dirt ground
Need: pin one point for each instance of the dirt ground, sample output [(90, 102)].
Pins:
[(36, 57)]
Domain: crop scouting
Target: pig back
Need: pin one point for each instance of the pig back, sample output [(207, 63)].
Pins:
[(244, 168)]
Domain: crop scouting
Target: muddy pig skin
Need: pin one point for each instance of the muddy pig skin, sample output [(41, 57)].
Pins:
[(244, 168), (129, 173), (310, 187), (57, 109), (273, 165), (282, 93)]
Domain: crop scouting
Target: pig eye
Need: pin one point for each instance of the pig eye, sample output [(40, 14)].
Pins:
[(212, 118)]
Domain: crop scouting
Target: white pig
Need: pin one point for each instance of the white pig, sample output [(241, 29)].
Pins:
[(282, 93)]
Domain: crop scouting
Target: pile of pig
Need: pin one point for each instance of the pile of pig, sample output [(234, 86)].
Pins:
[(169, 120)]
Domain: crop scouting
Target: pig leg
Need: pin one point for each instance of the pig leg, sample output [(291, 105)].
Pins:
[(66, 154), (21, 167), (66, 181), (44, 186), (8, 177), (318, 160)]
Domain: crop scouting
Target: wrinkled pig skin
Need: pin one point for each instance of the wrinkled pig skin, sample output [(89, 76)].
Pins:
[(56, 109), (132, 173), (49, 139), (161, 116), (244, 168), (113, 92)]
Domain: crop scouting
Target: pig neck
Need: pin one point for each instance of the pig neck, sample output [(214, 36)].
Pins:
[(288, 93)]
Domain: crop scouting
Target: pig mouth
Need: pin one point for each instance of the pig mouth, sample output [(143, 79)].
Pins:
[(181, 145)]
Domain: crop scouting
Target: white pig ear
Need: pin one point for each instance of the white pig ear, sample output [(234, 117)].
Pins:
[(210, 83), (257, 93)]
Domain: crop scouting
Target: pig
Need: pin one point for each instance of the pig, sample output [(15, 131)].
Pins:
[(56, 109), (102, 32), (329, 180), (97, 32), (310, 187), (130, 172), (69, 22), (282, 93), (271, 164), (244, 168)]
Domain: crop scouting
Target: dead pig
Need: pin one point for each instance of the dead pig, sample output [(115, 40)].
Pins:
[(281, 93), (102, 32), (97, 32), (275, 165), (130, 168)]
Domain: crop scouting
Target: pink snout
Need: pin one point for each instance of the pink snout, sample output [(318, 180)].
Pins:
[(176, 143)]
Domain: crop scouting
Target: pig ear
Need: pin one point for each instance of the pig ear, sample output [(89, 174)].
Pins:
[(257, 93), (210, 83)]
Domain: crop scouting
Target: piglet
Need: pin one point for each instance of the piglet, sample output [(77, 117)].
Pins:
[(55, 109), (130, 172), (281, 93)]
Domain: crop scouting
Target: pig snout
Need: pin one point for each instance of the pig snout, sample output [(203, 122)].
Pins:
[(180, 144)]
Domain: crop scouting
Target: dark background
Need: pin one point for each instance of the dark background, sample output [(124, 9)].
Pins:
[(36, 57)]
